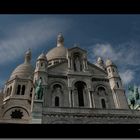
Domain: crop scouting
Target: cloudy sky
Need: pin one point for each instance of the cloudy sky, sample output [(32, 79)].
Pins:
[(110, 36)]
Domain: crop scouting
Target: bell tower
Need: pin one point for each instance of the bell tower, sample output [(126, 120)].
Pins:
[(116, 85), (41, 69), (40, 88)]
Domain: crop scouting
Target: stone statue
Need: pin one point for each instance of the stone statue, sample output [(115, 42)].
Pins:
[(38, 89), (133, 97), (77, 64)]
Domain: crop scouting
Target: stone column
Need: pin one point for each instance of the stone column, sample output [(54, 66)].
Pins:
[(73, 98), (14, 87), (89, 97), (84, 63), (69, 62), (70, 100), (92, 99), (27, 89)]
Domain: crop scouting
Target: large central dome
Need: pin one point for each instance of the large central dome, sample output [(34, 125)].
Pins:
[(59, 52), (56, 53)]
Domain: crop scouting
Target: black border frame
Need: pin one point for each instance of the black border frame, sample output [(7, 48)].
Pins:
[(70, 7)]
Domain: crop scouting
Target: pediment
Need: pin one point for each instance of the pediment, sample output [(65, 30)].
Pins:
[(58, 68), (95, 70), (76, 49)]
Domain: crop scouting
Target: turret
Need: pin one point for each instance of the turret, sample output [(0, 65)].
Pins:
[(40, 89), (113, 75), (41, 64), (116, 86)]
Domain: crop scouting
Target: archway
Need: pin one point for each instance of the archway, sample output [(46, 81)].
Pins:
[(80, 87), (103, 103), (57, 95)]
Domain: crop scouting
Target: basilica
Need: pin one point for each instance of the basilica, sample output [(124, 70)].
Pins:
[(65, 88)]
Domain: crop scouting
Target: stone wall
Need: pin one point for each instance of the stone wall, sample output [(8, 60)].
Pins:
[(89, 116)]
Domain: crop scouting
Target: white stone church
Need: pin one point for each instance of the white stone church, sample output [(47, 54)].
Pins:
[(65, 88)]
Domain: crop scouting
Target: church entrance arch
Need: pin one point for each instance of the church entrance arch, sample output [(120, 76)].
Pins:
[(80, 87)]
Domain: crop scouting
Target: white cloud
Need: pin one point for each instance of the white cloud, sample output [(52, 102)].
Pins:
[(105, 51), (29, 34), (125, 53), (127, 76)]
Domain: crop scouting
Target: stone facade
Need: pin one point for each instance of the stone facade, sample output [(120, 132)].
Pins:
[(73, 90)]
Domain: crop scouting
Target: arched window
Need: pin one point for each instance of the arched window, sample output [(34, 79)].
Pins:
[(56, 101), (109, 70), (57, 86), (117, 85), (18, 89), (10, 90), (80, 86), (31, 92), (7, 92), (23, 90), (113, 70), (103, 103), (101, 91), (41, 64), (56, 62), (49, 63)]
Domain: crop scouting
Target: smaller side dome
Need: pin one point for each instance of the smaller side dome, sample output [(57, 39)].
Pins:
[(42, 57), (24, 70)]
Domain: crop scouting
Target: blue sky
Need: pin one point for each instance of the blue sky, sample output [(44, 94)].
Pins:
[(109, 36)]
